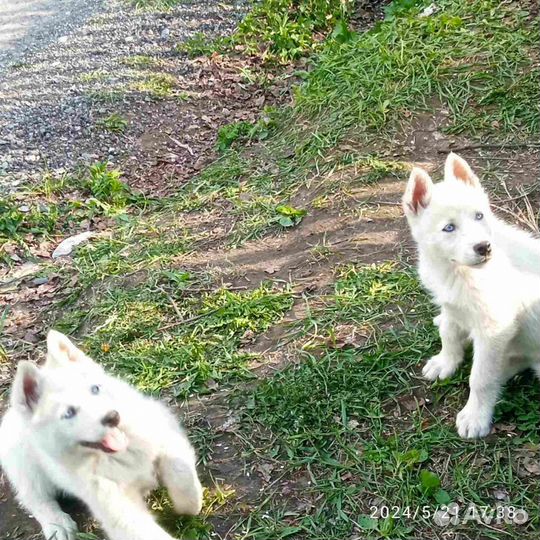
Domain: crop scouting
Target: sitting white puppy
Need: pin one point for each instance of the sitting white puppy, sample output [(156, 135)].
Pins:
[(73, 429), (485, 276)]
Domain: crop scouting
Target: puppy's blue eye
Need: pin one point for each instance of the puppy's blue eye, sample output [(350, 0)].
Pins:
[(95, 389), (478, 216), (70, 413), (449, 228)]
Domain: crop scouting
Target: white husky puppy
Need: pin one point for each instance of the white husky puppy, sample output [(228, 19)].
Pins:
[(71, 428), (485, 276)]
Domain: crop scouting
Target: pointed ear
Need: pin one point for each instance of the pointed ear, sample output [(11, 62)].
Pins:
[(418, 192), (27, 386), (456, 168), (62, 352)]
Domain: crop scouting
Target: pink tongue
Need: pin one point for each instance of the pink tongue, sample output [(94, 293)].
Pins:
[(115, 440)]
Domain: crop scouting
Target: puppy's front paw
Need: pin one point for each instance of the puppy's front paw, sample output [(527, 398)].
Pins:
[(188, 507), (472, 423), (189, 501), (439, 367), (60, 527)]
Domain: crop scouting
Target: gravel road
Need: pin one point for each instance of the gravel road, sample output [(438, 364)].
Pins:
[(31, 25), (67, 64)]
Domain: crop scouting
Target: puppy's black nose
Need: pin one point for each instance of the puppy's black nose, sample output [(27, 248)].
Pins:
[(483, 249), (111, 419)]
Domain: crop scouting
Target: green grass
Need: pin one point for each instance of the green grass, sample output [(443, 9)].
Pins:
[(114, 123), (342, 418), (62, 205), (139, 243), (105, 185), (198, 527), (144, 77), (371, 294), (159, 86), (155, 5), (107, 96), (256, 200), (257, 188), (51, 185), (473, 60), (200, 45), (246, 131), (288, 29), (141, 61), (141, 334), (281, 30), (18, 221), (92, 76), (474, 57)]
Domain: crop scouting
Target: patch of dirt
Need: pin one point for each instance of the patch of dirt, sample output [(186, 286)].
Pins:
[(251, 478), (366, 229), (226, 466), (367, 12), (172, 141)]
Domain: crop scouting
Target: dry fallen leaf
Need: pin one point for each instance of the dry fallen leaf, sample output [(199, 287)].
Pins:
[(532, 466), (31, 337), (507, 428), (248, 336), (411, 403), (500, 494), (347, 335), (272, 269), (266, 471)]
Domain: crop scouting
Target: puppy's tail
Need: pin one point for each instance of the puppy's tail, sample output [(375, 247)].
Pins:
[(522, 248)]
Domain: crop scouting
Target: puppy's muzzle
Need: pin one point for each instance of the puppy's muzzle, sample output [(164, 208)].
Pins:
[(111, 419), (483, 249)]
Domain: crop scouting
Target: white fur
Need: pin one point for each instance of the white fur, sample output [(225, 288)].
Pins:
[(494, 301), (42, 455)]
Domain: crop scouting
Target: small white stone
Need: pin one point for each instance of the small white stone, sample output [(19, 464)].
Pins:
[(65, 247)]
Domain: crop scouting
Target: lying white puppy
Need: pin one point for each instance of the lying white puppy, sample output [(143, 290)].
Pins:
[(73, 429), (485, 276)]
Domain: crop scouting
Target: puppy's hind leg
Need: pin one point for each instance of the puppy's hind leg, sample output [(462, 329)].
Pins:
[(453, 339), (178, 473)]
